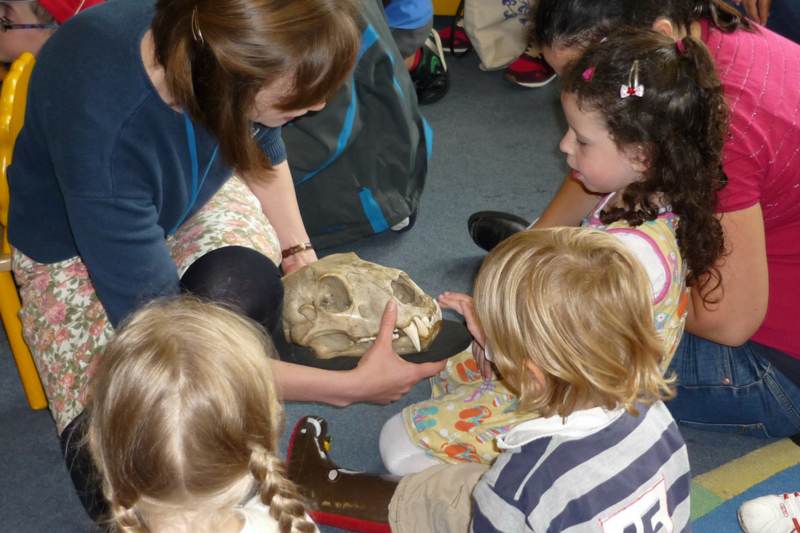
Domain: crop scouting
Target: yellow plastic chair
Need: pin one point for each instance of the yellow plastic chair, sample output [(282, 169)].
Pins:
[(13, 98)]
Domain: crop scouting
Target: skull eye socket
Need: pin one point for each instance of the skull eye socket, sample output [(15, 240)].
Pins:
[(405, 291), (332, 295)]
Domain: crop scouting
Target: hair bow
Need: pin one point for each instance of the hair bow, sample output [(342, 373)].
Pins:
[(633, 88), (626, 91)]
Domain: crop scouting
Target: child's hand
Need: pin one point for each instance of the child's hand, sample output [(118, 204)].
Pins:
[(465, 305), (484, 365)]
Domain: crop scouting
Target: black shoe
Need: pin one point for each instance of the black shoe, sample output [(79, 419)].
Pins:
[(431, 78), (490, 228)]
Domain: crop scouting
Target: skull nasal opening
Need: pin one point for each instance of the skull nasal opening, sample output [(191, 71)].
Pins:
[(333, 296), (405, 291)]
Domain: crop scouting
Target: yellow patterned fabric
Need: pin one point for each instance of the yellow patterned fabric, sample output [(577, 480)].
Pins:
[(466, 414)]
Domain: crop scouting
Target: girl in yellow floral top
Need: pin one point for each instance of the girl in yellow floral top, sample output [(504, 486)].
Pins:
[(647, 121)]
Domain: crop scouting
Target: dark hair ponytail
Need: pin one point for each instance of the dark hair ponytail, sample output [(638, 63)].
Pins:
[(681, 124), (247, 45), (583, 22)]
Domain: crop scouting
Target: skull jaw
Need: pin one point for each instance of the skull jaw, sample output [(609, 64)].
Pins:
[(339, 345)]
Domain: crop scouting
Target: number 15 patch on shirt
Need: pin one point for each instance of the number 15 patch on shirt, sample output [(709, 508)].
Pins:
[(647, 514)]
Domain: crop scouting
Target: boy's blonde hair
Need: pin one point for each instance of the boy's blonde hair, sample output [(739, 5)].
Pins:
[(577, 304), (185, 419)]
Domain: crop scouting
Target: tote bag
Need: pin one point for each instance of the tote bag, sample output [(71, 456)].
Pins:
[(497, 30)]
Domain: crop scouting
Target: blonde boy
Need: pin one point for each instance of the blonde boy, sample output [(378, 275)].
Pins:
[(567, 315), (27, 24)]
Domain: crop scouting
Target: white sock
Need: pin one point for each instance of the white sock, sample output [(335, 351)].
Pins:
[(399, 453)]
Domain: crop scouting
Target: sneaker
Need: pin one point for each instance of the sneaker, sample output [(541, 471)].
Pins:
[(430, 76), (529, 70), (460, 43), (777, 513)]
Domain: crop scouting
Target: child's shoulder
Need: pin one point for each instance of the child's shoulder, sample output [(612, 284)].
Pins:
[(257, 518), (595, 470)]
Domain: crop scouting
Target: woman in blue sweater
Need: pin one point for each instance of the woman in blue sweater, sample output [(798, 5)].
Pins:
[(123, 185)]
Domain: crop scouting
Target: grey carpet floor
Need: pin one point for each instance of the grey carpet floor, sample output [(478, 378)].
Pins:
[(495, 147)]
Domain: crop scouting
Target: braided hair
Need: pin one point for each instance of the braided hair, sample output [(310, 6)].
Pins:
[(185, 419)]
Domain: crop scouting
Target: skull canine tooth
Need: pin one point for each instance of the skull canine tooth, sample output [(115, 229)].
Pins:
[(421, 327), (412, 333)]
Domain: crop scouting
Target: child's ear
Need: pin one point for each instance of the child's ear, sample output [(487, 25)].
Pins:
[(536, 373), (639, 158), (664, 27)]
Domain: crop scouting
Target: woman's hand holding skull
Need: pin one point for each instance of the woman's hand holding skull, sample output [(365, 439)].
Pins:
[(382, 376)]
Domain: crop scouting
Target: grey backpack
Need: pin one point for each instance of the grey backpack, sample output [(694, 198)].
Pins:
[(359, 164)]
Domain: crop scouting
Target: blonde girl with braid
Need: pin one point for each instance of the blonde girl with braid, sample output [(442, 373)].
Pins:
[(184, 426)]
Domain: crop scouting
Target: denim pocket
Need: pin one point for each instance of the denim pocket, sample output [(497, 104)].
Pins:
[(748, 430)]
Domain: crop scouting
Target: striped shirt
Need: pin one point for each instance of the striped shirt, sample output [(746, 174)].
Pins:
[(598, 471)]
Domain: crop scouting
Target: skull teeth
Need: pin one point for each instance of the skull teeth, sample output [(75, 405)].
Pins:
[(422, 326), (413, 334)]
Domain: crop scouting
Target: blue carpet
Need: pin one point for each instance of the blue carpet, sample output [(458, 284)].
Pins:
[(496, 147), (723, 518)]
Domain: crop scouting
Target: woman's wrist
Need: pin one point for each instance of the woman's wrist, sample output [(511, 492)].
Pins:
[(296, 249), (298, 260)]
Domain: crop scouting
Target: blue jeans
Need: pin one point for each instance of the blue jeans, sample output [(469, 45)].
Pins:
[(733, 390)]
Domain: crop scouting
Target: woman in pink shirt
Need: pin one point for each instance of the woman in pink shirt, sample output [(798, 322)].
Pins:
[(738, 365)]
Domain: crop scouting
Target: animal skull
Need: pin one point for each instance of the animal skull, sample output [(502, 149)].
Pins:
[(335, 305)]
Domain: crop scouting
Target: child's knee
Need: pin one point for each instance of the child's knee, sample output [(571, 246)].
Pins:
[(399, 453)]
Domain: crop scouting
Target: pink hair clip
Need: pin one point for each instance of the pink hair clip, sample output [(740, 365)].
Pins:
[(588, 73), (681, 46), (633, 88)]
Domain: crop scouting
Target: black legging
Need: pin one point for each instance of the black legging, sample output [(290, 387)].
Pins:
[(240, 277)]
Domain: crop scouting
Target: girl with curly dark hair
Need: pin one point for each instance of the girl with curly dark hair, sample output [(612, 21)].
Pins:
[(669, 133), (647, 122), (739, 362)]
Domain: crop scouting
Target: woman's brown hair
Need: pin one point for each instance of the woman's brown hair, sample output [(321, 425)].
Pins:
[(246, 46), (184, 422)]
